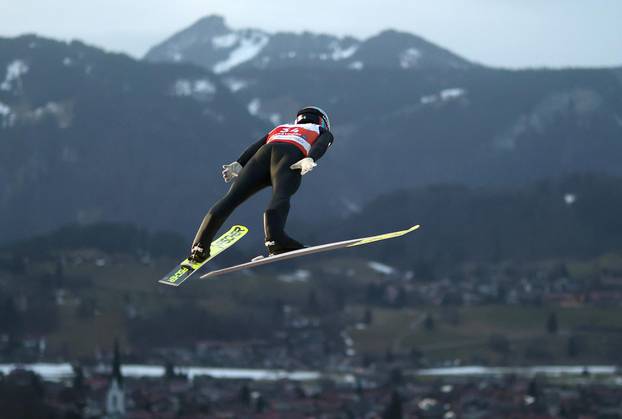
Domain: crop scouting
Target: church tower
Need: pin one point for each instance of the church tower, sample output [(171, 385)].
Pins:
[(115, 398)]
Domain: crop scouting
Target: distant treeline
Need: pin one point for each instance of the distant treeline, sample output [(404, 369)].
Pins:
[(576, 216), (106, 237), (573, 217)]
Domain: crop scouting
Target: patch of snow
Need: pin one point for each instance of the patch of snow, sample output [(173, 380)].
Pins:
[(235, 85), (67, 61), (381, 268), (448, 388), (4, 110), (427, 404), (204, 87), (253, 106), (426, 100), (570, 198), (177, 57), (60, 372), (409, 58), (444, 95), (14, 71), (549, 370), (339, 53), (300, 275), (199, 89), (50, 108), (356, 65), (449, 94), (225, 41), (6, 116), (60, 112), (248, 48), (182, 88), (275, 118)]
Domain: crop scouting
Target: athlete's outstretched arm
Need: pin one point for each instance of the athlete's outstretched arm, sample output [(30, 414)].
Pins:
[(320, 145), (250, 151)]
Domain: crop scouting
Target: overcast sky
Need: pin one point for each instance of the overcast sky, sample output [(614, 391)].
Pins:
[(508, 33)]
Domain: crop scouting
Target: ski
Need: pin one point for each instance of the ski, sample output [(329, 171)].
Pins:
[(258, 261), (186, 268)]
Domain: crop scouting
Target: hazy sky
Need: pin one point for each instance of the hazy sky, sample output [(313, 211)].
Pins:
[(509, 33)]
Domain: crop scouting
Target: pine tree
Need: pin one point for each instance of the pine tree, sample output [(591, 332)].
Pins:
[(169, 370), (116, 364), (245, 395), (78, 378), (394, 409), (261, 405)]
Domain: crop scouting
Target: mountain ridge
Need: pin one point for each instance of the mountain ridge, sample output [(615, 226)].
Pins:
[(209, 42)]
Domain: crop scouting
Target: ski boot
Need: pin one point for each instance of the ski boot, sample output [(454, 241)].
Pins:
[(277, 241), (285, 246), (198, 254)]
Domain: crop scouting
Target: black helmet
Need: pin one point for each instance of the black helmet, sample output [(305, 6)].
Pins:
[(314, 115)]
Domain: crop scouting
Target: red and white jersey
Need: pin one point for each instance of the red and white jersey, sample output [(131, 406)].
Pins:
[(301, 135)]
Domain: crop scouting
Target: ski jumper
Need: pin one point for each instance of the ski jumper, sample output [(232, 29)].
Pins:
[(267, 163)]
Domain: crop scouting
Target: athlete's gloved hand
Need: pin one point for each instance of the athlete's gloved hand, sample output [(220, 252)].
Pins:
[(305, 165), (231, 171)]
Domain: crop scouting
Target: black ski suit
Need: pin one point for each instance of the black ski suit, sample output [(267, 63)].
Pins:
[(264, 165)]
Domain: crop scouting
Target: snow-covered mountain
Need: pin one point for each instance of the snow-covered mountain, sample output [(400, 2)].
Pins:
[(211, 44), (90, 136)]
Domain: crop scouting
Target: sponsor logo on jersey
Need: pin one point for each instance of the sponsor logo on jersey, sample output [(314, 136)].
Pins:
[(301, 135)]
